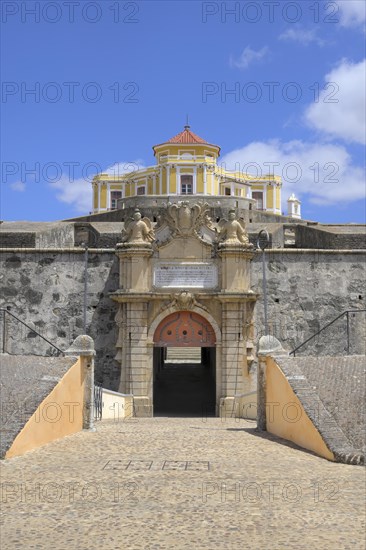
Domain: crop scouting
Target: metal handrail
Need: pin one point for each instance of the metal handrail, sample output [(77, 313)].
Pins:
[(29, 327), (98, 401), (347, 312)]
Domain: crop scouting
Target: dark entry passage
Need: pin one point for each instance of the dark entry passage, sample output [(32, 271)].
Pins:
[(184, 382)]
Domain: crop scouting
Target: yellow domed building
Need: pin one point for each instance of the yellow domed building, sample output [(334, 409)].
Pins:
[(186, 164)]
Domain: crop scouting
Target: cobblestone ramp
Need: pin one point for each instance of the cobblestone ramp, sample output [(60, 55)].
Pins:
[(25, 381), (179, 484), (332, 392)]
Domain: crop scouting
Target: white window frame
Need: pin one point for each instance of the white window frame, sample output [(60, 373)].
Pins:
[(141, 187), (182, 175), (114, 199), (256, 199)]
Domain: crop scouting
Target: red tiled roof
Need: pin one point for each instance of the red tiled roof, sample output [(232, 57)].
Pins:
[(186, 137)]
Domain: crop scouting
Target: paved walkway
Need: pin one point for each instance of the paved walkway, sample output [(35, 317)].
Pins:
[(170, 483)]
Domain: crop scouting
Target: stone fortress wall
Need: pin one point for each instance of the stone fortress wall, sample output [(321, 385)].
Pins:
[(314, 273)]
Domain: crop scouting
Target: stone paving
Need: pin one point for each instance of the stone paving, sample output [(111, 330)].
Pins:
[(179, 483)]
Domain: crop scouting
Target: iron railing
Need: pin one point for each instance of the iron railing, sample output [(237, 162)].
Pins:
[(98, 401), (347, 313), (6, 312)]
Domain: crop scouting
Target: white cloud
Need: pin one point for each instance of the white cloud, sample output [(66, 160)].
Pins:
[(248, 57), (18, 186), (340, 110), (302, 36), (352, 13), (78, 193), (323, 172)]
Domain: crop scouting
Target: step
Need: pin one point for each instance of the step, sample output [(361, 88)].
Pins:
[(186, 355)]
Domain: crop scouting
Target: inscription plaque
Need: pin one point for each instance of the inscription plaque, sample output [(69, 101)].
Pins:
[(186, 275)]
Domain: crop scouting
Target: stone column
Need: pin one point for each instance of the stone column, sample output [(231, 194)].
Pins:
[(83, 347), (235, 293)]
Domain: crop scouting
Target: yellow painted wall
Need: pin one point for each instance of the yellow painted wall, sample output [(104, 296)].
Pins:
[(53, 418), (199, 181), (246, 406), (164, 178), (115, 407), (214, 190), (257, 187), (270, 197), (278, 199), (173, 180), (290, 421), (179, 149), (103, 197), (187, 166)]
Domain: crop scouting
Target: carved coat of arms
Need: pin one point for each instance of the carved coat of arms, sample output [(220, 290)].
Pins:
[(184, 219)]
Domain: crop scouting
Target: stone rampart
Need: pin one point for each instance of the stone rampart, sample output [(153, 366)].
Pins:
[(306, 290)]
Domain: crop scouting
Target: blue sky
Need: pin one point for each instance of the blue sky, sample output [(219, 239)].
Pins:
[(270, 82)]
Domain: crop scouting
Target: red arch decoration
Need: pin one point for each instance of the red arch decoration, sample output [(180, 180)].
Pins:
[(184, 328)]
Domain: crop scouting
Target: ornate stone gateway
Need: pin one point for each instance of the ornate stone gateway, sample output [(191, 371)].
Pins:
[(185, 281), (184, 329)]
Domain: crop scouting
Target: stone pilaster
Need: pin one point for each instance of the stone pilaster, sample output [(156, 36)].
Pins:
[(235, 267), (235, 295), (232, 356), (134, 270), (132, 319)]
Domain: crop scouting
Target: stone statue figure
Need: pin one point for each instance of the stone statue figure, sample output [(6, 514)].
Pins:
[(138, 230), (232, 231)]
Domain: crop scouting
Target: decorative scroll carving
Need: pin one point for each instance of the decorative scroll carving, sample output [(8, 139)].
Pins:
[(184, 300), (185, 220)]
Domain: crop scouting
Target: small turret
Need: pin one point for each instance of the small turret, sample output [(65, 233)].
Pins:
[(294, 207)]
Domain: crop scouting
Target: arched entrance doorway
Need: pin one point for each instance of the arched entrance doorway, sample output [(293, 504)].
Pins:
[(184, 366)]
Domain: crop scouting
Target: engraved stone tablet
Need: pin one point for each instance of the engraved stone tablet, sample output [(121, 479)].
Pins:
[(185, 275)]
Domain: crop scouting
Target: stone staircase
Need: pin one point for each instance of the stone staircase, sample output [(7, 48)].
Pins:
[(183, 355), (332, 391)]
